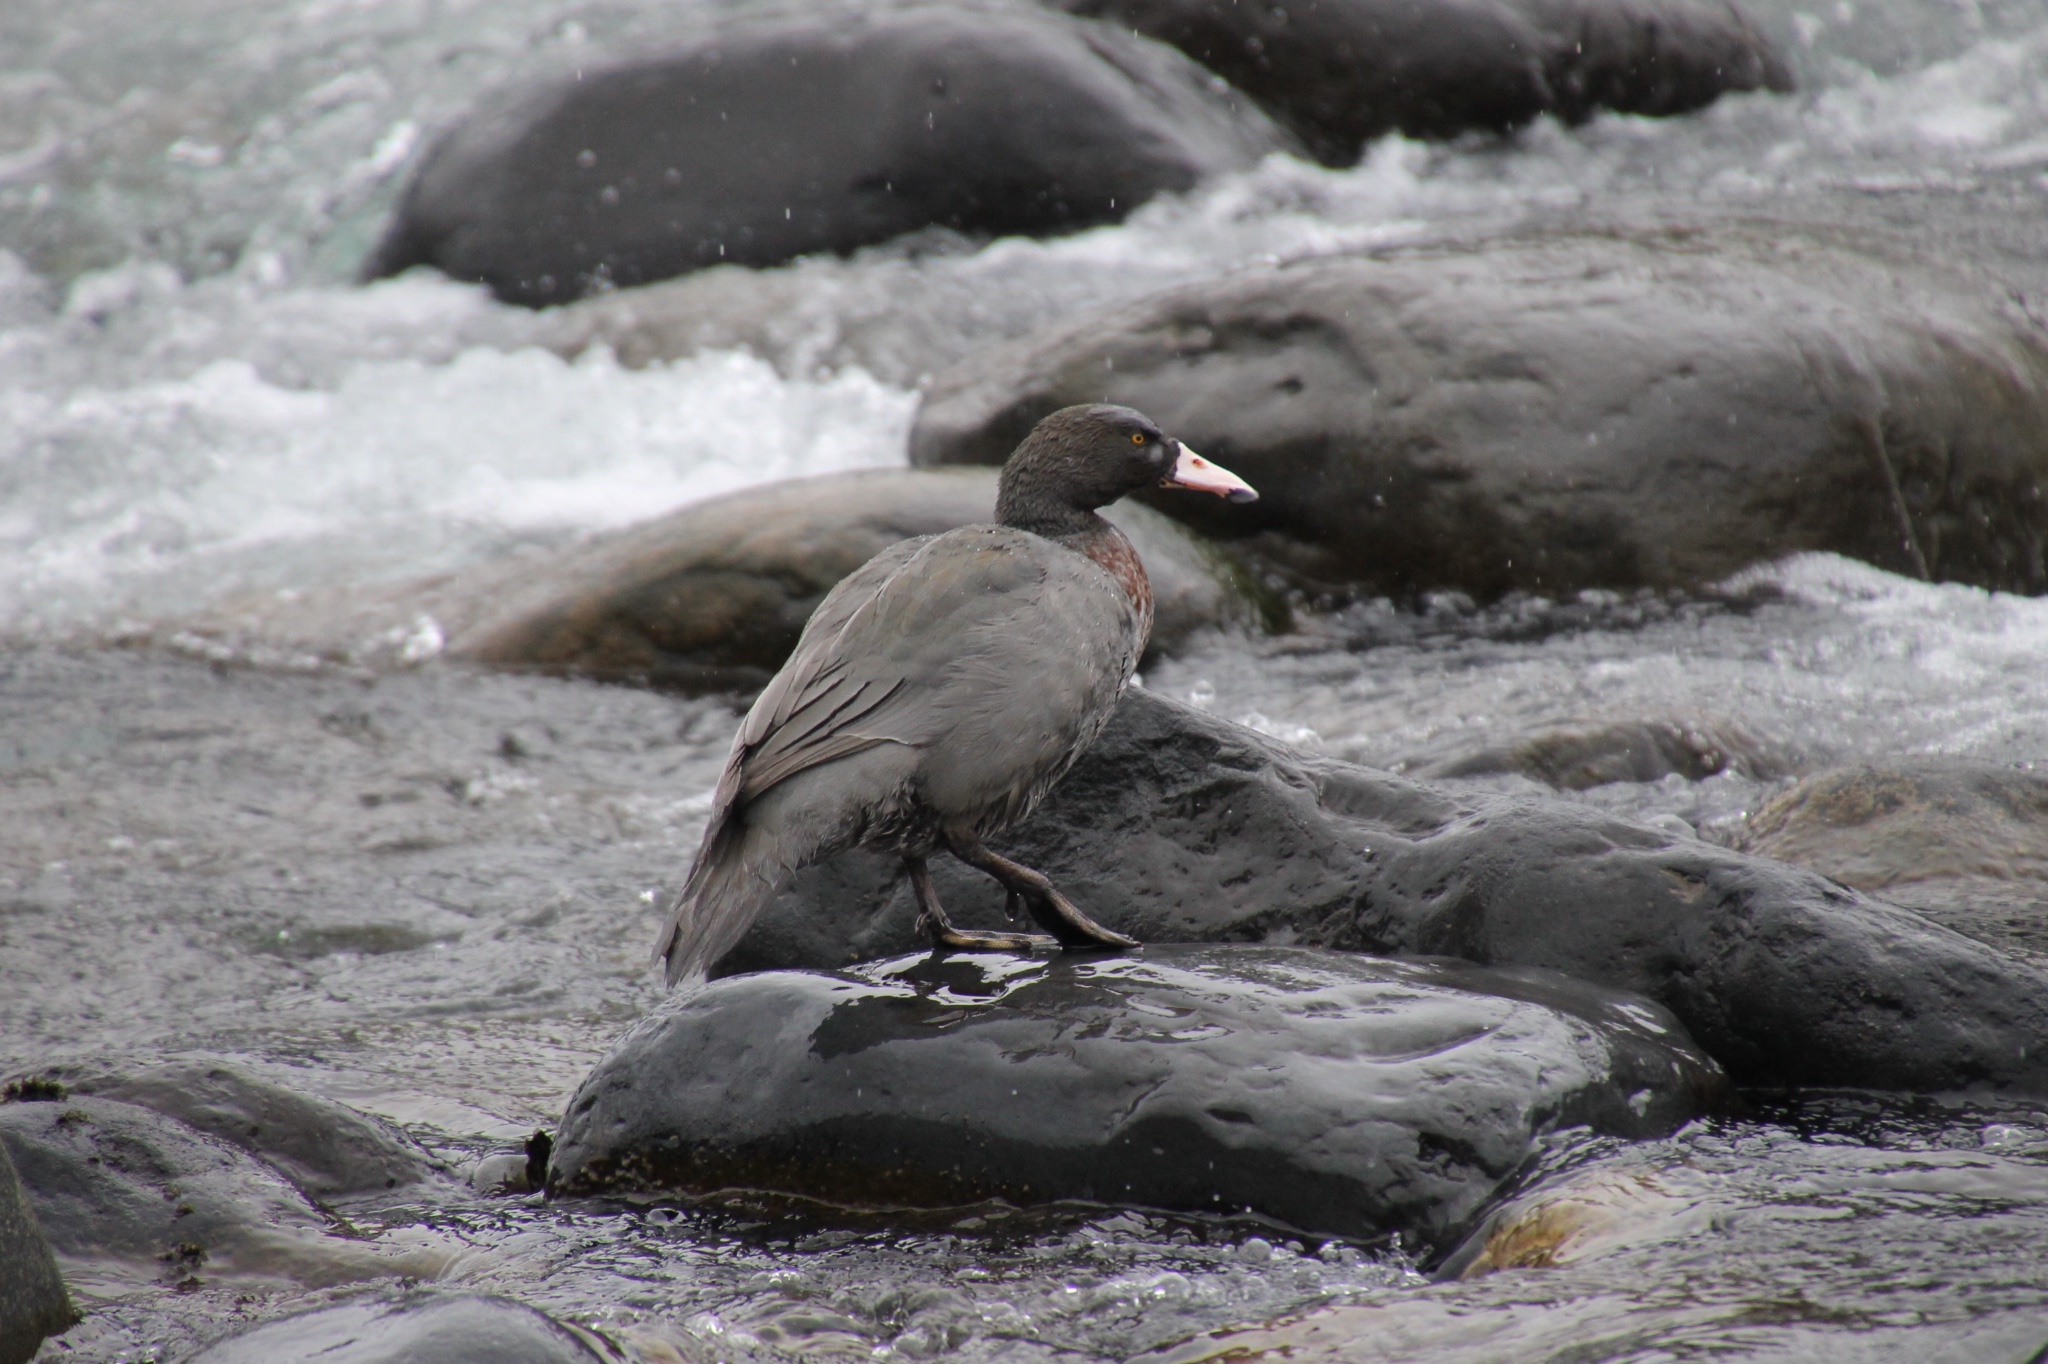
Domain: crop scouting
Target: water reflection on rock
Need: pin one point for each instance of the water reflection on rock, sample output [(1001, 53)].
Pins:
[(1335, 1094)]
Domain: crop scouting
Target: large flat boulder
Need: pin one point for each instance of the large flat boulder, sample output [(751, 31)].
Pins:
[(1337, 1093), (822, 133), (1339, 73), (1583, 410), (1182, 827), (714, 596)]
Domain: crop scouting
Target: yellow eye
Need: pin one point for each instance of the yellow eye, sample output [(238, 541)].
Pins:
[(1137, 437)]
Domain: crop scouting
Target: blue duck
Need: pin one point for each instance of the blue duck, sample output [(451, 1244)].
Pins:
[(940, 690)]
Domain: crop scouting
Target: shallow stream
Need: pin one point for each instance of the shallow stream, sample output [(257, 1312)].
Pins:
[(431, 894)]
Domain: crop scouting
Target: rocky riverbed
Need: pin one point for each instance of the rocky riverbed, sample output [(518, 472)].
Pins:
[(429, 895), (1588, 828)]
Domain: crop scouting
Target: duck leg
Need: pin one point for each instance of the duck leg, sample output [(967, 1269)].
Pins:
[(1055, 912), (933, 923)]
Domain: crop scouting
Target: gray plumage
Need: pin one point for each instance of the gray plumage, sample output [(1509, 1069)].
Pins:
[(937, 694)]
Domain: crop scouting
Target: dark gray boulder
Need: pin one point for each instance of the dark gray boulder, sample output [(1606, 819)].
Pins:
[(419, 1328), (118, 1180), (326, 1149), (1557, 412), (1338, 73), (33, 1302), (1182, 827), (1335, 1093), (824, 133), (112, 1181), (714, 596), (1656, 57)]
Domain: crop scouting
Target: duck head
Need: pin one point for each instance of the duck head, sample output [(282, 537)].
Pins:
[(1085, 457)]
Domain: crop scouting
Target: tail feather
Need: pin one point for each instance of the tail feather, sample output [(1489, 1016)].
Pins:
[(732, 881)]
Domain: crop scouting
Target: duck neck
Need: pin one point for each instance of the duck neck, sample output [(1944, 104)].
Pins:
[(1027, 509), (1088, 533)]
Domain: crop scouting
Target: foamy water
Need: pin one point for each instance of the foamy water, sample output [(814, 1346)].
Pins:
[(149, 493), (1819, 659), (194, 401)]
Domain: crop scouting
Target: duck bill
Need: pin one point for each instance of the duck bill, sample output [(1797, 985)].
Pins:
[(1190, 470)]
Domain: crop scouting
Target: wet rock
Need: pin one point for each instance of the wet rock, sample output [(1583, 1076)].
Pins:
[(1338, 73), (779, 139), (1589, 1212), (324, 1148), (1576, 758), (420, 1328), (1337, 1093), (1962, 841), (514, 1172), (1558, 412), (503, 1172), (1726, 1216), (1911, 819), (116, 1181), (1182, 827), (115, 1178), (33, 1302), (714, 596)]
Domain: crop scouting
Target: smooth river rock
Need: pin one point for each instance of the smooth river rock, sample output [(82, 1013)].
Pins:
[(1961, 840), (713, 597), (1585, 410), (822, 133), (326, 1149), (1920, 818), (1579, 757), (1339, 73), (1338, 1093), (1179, 826), (112, 1181), (419, 1328), (33, 1302)]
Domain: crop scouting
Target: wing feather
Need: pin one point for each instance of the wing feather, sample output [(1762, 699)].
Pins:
[(994, 653)]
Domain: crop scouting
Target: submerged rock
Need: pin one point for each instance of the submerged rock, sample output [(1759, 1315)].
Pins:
[(1592, 410), (1339, 1094), (420, 1328), (324, 1148), (1589, 1212), (1578, 757), (783, 138), (1963, 841), (1182, 827), (500, 1173), (1339, 73), (714, 596), (116, 1181), (33, 1303), (1923, 818)]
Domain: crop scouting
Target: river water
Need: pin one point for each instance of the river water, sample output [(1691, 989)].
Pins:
[(431, 894)]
